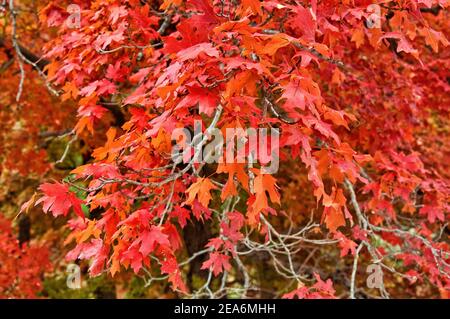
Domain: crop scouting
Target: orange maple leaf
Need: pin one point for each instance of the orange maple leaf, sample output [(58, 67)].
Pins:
[(264, 184)]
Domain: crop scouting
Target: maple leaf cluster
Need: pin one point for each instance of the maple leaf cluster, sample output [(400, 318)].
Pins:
[(362, 110)]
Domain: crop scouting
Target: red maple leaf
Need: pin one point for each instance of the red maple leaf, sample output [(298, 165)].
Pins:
[(217, 262), (150, 238)]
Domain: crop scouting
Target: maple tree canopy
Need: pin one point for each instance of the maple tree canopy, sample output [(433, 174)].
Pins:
[(357, 91)]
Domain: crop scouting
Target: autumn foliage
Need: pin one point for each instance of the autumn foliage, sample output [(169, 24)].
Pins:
[(22, 266), (358, 91)]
